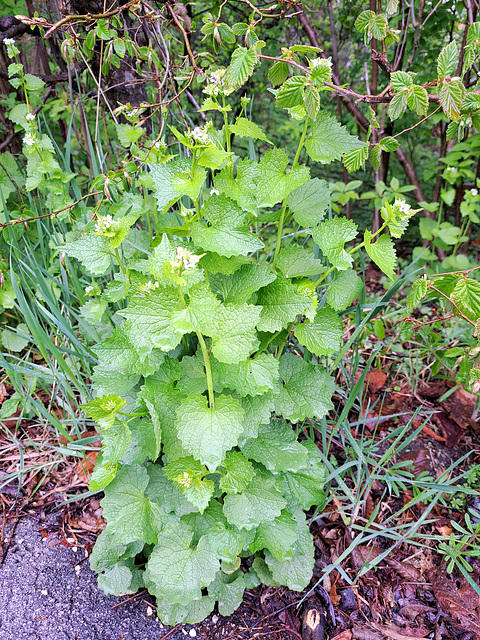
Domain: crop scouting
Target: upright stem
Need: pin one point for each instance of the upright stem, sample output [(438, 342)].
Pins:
[(208, 370), (284, 204)]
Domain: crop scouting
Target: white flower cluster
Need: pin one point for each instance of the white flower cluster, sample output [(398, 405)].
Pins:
[(403, 210), (29, 140), (89, 289), (216, 84), (110, 405), (103, 224), (149, 286), (321, 62), (198, 135), (30, 117), (160, 144), (474, 192), (12, 49), (451, 170), (214, 192), (184, 258), (130, 114)]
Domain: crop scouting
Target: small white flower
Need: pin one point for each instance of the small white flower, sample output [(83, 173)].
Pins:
[(131, 114), (29, 140), (214, 192), (89, 289), (8, 41), (474, 192), (160, 144), (149, 286), (30, 116), (321, 62), (185, 258), (103, 223), (199, 135)]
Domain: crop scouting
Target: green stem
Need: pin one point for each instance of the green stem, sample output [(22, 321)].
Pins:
[(284, 204), (282, 346), (122, 266), (208, 370), (194, 162)]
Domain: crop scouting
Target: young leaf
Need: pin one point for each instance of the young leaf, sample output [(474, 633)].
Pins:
[(398, 105), (273, 184), (451, 98), (417, 293), (104, 409), (417, 99), (355, 159), (238, 473), (331, 237), (401, 81), (278, 537), (235, 337), (281, 303), (241, 285), (278, 73), (329, 140), (306, 485), (323, 336), (241, 66), (466, 296), (92, 251), (294, 261), (208, 433), (388, 144), (382, 252), (260, 502), (118, 352), (242, 188), (447, 61), (254, 376), (306, 392), (246, 129), (174, 179), (228, 592), (188, 474), (290, 93), (177, 570)]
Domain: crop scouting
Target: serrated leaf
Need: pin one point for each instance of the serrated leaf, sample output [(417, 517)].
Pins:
[(294, 261), (214, 263), (242, 187), (466, 296), (235, 337), (306, 392), (397, 106), (228, 593), (278, 537), (311, 99), (225, 233), (306, 485), (150, 318), (247, 129), (201, 312), (238, 473), (297, 572), (208, 433), (259, 502), (178, 571), (389, 144), (374, 156), (417, 293), (253, 377), (290, 93), (188, 474), (241, 66), (273, 184), (401, 80), (92, 251), (128, 512), (174, 179), (323, 336), (191, 613), (276, 447), (329, 140), (166, 494), (355, 159), (451, 98), (309, 202), (104, 409), (331, 237), (417, 99), (382, 252), (447, 61), (243, 283), (346, 287), (258, 410), (281, 303), (278, 73), (119, 352)]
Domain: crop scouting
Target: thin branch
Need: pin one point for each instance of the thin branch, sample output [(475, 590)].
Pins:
[(53, 214)]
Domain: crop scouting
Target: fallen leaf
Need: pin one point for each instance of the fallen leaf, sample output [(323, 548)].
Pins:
[(462, 605), (413, 609), (460, 405), (395, 634), (418, 459), (450, 430), (403, 569), (375, 380), (362, 554), (345, 635), (362, 632)]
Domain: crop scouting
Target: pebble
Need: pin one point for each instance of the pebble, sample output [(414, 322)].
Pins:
[(44, 592), (214, 619), (149, 612), (192, 633)]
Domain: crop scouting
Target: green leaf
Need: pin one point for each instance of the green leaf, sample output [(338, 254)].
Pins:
[(294, 261), (281, 303), (228, 593), (306, 485), (417, 293), (273, 184), (259, 502), (178, 571), (92, 251), (33, 83), (331, 237), (246, 129), (214, 263), (201, 313), (192, 613), (382, 252), (401, 81), (213, 157), (166, 494), (397, 106), (278, 73), (447, 61), (451, 98), (276, 447), (115, 442), (243, 283), (417, 99), (306, 392), (241, 66), (235, 338), (128, 512), (311, 100), (323, 336), (174, 179), (242, 188), (355, 159), (128, 134), (13, 341), (208, 433), (225, 233), (466, 296), (104, 409), (346, 287), (290, 93), (372, 25), (188, 474), (329, 140), (150, 319), (388, 144), (258, 410), (309, 202), (297, 572), (278, 537), (238, 473), (118, 352), (254, 376)]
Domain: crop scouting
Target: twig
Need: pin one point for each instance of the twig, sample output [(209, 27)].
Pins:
[(184, 34)]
